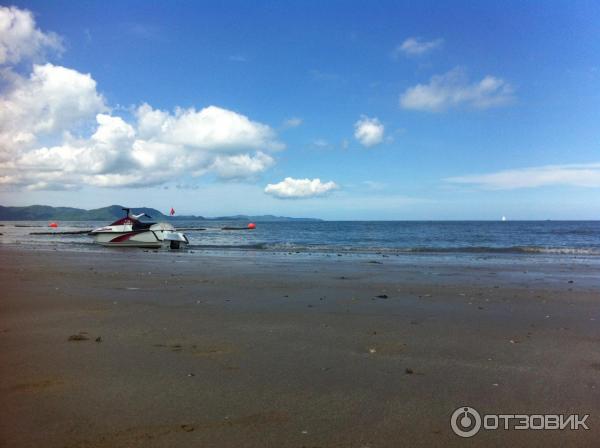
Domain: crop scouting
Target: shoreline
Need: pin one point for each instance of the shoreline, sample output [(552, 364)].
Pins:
[(291, 351), (464, 255)]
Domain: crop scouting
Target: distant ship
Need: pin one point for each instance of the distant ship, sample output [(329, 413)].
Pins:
[(504, 218)]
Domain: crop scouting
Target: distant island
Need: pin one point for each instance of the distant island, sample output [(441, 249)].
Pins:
[(113, 212)]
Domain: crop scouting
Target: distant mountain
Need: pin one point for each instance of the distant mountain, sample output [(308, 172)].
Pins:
[(113, 212), (46, 213), (258, 218)]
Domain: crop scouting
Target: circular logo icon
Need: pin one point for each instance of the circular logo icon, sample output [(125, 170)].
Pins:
[(465, 421)]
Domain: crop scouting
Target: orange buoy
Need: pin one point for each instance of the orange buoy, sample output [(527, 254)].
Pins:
[(53, 225), (252, 226)]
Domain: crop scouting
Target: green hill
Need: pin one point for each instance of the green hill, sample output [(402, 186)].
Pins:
[(112, 213), (47, 213)]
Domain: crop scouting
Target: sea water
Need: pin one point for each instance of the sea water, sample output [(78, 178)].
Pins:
[(559, 238)]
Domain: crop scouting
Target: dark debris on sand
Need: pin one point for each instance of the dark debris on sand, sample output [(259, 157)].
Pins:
[(78, 337)]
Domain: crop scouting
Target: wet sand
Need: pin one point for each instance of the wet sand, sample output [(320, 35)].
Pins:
[(143, 349)]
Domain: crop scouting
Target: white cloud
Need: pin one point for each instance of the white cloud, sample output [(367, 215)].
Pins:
[(576, 175), (242, 166), (452, 89), (20, 39), (415, 46), (293, 122), (149, 152), (56, 131), (291, 188), (368, 131), (52, 100), (211, 129)]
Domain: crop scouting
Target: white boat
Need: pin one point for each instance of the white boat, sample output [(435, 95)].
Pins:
[(131, 232)]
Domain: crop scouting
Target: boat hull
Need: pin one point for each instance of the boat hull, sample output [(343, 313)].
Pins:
[(154, 236), (132, 239)]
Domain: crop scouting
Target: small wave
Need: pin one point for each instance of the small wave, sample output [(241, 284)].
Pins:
[(433, 250), (578, 232), (510, 250), (306, 248), (257, 246), (562, 250)]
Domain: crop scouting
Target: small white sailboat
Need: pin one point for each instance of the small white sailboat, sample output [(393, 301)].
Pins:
[(503, 218)]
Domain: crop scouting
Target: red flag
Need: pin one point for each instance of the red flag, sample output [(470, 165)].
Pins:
[(172, 211)]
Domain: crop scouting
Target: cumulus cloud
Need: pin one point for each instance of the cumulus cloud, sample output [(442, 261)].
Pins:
[(20, 39), (575, 175), (452, 89), (368, 131), (242, 166), (415, 46), (56, 131), (291, 188), (211, 129), (53, 99), (160, 147)]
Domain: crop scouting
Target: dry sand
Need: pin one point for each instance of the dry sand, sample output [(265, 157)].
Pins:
[(256, 350)]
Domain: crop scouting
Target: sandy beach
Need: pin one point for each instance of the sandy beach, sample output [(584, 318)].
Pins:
[(143, 349)]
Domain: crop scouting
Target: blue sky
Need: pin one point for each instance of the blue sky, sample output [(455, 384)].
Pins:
[(458, 110)]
